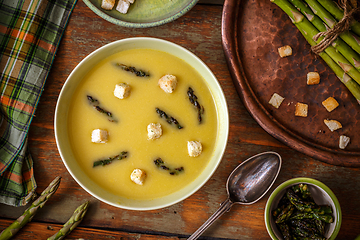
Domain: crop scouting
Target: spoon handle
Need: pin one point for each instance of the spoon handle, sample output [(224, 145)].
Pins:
[(224, 207)]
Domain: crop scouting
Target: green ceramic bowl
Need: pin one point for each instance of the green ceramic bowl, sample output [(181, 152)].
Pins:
[(64, 101), (142, 14), (322, 196)]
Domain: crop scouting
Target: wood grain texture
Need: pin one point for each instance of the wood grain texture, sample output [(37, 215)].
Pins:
[(199, 31)]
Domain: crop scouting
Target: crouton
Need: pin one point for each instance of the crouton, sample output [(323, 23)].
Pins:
[(285, 51), (122, 90), (99, 136), (107, 4), (168, 83), (123, 6), (301, 109), (194, 148), (343, 141), (333, 125), (138, 176), (312, 78), (330, 104), (276, 100), (154, 131)]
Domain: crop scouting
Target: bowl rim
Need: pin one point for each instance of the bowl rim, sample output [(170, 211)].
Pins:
[(293, 181), (222, 143), (119, 22)]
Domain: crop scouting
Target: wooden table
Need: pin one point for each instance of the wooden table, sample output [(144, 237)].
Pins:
[(200, 32)]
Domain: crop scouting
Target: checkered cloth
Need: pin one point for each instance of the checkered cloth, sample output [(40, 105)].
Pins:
[(30, 31)]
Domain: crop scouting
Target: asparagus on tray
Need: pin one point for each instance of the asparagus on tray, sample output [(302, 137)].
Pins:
[(346, 44), (30, 212), (338, 13), (336, 61), (72, 223), (330, 21)]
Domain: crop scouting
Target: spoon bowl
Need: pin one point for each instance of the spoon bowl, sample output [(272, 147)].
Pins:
[(247, 184), (251, 180)]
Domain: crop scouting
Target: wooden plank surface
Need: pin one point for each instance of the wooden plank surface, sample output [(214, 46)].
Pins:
[(198, 31)]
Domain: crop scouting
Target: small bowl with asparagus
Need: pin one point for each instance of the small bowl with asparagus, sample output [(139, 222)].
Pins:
[(302, 208)]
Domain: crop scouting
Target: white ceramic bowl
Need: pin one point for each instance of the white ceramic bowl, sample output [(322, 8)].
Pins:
[(321, 194), (75, 78)]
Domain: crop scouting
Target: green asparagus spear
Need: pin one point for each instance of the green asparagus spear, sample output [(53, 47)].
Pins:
[(169, 119), (300, 204), (338, 13), (346, 44), (72, 223), (323, 209), (325, 218), (303, 190), (109, 160), (172, 171), (31, 211), (308, 228), (137, 72), (302, 23), (193, 99), (330, 21), (320, 226), (285, 214), (285, 230), (307, 31), (302, 215), (351, 85), (96, 104), (307, 220)]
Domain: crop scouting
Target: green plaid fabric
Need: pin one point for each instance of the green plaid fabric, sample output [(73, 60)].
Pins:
[(30, 31)]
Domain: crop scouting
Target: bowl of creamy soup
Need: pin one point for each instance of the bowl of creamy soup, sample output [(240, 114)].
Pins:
[(141, 123)]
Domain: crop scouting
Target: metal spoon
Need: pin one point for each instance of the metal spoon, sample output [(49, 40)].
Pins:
[(247, 184)]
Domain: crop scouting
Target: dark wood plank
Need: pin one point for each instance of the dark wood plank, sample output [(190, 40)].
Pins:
[(35, 230)]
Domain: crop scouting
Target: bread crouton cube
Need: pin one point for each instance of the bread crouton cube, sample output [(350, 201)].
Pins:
[(312, 78), (333, 125), (343, 141), (301, 109), (194, 148), (154, 131), (99, 136), (122, 90), (330, 104), (138, 176), (276, 100), (123, 6), (168, 83), (107, 4), (285, 51)]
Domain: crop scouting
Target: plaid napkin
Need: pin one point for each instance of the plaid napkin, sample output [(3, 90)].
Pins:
[(30, 31)]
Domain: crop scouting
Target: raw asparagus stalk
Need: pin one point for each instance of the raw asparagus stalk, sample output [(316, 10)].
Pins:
[(302, 23), (338, 13), (30, 212), (340, 44), (351, 85), (325, 16), (308, 31), (72, 223)]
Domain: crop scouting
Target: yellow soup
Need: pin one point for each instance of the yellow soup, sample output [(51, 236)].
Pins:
[(134, 113)]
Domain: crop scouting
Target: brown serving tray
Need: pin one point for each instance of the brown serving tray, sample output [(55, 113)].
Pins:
[(252, 31)]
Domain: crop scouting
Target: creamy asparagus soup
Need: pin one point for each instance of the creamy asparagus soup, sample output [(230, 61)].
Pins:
[(139, 137)]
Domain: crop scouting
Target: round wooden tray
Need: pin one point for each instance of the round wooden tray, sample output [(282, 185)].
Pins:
[(252, 31)]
